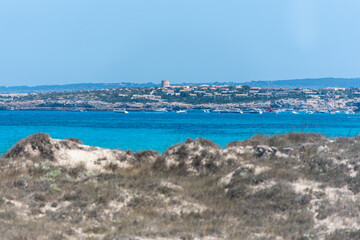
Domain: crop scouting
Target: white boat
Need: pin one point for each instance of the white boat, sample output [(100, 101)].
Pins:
[(281, 110), (253, 111), (306, 111), (78, 110), (161, 110), (227, 111), (335, 112), (181, 111), (292, 111), (235, 111), (349, 112), (217, 110), (121, 110), (206, 110)]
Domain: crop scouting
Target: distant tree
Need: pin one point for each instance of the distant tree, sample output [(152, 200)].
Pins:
[(246, 87)]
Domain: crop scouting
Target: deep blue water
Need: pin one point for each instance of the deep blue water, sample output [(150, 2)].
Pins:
[(146, 130)]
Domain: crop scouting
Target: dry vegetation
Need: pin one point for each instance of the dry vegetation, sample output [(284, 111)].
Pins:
[(294, 186)]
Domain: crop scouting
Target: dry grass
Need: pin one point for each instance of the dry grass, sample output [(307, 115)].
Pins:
[(41, 200)]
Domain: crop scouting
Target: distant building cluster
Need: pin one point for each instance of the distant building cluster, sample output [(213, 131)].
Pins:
[(146, 96), (209, 96)]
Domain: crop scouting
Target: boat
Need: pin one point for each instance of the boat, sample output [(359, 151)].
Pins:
[(349, 112), (181, 111), (291, 111), (335, 112), (253, 111), (193, 110), (227, 111), (280, 110), (206, 110), (302, 111), (235, 111), (78, 110), (161, 110), (322, 111), (120, 110), (217, 110)]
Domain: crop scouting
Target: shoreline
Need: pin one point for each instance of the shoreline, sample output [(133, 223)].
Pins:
[(189, 111), (189, 139)]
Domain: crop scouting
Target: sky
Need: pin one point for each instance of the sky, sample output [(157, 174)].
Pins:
[(82, 41)]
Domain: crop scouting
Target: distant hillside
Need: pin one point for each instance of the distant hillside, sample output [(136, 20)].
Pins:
[(315, 83), (71, 87), (93, 86)]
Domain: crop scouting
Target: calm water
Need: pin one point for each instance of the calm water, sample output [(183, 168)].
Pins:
[(145, 130)]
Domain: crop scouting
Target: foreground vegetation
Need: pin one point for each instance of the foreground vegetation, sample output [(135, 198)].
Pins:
[(294, 186)]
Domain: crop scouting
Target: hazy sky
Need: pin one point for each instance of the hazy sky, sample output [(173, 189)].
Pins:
[(74, 41)]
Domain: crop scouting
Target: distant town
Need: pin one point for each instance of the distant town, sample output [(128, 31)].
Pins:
[(182, 98)]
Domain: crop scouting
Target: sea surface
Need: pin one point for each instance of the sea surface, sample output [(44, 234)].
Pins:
[(154, 130)]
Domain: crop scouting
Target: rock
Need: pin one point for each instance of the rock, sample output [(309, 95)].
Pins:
[(281, 155), (287, 150), (323, 149), (224, 181), (265, 151), (249, 149), (241, 171)]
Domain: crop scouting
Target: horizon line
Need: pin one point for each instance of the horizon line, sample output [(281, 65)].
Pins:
[(139, 83)]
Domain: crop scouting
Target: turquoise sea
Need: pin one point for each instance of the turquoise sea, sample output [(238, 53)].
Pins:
[(152, 130)]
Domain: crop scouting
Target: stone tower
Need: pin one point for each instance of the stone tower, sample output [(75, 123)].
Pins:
[(165, 83)]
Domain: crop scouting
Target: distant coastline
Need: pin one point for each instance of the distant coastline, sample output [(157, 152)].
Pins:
[(181, 98), (313, 83)]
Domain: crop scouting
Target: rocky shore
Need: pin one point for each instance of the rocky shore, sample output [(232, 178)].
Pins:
[(293, 186)]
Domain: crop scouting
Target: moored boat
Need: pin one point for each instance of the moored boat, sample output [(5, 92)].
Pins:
[(161, 110), (120, 110), (181, 111), (253, 111), (349, 112)]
